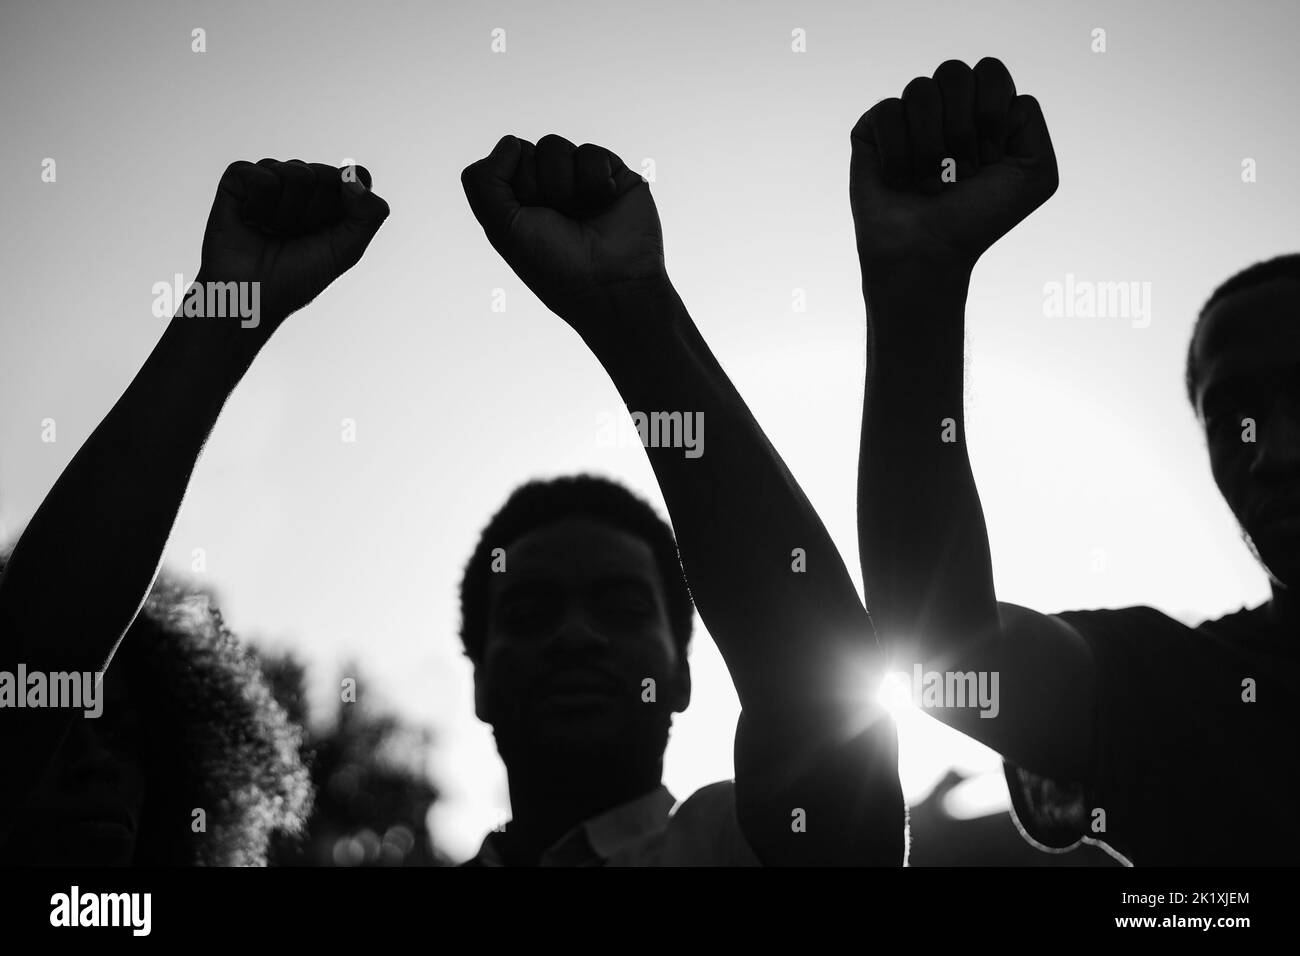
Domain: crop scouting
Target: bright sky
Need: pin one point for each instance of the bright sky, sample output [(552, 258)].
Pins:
[(1091, 467)]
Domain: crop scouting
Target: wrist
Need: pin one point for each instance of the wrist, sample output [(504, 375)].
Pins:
[(241, 303), (216, 350), (631, 315), (912, 273), (916, 302)]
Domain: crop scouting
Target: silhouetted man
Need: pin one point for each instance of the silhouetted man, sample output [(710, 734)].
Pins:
[(1167, 744), (816, 766)]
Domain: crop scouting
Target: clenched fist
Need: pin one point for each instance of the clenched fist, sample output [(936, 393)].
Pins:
[(1001, 153), (574, 222), (294, 227)]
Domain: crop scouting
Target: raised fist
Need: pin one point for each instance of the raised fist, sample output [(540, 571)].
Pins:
[(294, 227), (574, 222), (941, 174)]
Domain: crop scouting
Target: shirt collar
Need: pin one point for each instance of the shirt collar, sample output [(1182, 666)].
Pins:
[(594, 841), (614, 829)]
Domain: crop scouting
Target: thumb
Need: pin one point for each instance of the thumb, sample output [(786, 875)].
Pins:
[(488, 186), (881, 154), (1027, 137), (866, 167), (363, 214), (625, 179)]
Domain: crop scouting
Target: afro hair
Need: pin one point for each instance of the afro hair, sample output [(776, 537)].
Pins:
[(215, 738)]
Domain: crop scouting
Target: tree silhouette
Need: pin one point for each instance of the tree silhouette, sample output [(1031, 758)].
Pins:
[(372, 794)]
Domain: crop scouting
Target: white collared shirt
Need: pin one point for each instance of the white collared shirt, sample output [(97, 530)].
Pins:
[(652, 830)]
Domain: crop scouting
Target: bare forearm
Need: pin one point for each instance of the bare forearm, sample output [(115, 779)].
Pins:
[(766, 576), (922, 539), (87, 559), (925, 552)]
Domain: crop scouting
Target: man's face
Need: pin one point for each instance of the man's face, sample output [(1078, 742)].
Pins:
[(1248, 356), (576, 623)]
